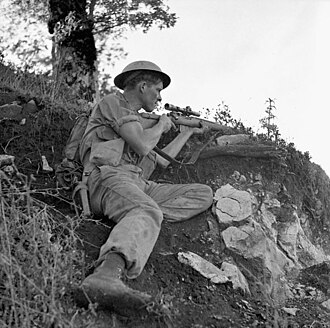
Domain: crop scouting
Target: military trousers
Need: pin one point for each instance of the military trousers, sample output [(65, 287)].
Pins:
[(138, 207)]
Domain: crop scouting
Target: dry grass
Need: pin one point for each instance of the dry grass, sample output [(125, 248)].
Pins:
[(39, 259), (49, 93)]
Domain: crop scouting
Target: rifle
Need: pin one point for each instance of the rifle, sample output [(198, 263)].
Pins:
[(185, 116)]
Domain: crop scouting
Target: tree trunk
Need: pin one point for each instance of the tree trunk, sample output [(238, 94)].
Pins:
[(75, 47)]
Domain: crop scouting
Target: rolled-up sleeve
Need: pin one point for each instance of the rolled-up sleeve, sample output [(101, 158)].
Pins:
[(115, 113), (127, 119)]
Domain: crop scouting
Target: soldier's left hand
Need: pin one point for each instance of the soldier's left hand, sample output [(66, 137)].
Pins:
[(200, 130)]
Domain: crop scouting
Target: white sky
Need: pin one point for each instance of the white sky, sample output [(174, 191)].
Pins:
[(243, 52)]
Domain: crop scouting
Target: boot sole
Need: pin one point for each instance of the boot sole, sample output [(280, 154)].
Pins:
[(112, 294)]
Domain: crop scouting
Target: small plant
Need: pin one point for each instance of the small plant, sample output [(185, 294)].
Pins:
[(39, 259), (222, 115), (268, 122)]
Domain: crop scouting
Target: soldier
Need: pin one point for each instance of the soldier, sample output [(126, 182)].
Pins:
[(117, 151)]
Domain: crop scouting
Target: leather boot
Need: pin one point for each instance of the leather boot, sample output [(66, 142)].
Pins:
[(106, 288)]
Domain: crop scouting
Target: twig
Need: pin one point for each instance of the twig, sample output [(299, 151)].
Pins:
[(10, 140)]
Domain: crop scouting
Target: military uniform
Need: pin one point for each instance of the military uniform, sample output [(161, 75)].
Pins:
[(119, 187)]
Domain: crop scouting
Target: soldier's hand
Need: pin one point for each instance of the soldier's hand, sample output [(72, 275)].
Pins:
[(166, 123), (192, 130)]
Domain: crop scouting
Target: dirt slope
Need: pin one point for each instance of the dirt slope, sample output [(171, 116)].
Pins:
[(191, 300)]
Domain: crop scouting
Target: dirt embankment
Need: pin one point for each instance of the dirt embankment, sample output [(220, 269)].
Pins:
[(191, 299)]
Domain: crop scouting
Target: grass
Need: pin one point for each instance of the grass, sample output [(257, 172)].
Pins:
[(39, 259), (42, 88)]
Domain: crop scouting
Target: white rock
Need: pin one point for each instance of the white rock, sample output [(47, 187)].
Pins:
[(233, 139), (204, 267), (232, 205), (287, 235), (269, 262), (236, 175), (228, 272), (233, 274), (45, 165), (242, 179), (291, 311), (9, 170), (326, 304), (6, 160)]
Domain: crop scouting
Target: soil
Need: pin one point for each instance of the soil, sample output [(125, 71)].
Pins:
[(192, 300)]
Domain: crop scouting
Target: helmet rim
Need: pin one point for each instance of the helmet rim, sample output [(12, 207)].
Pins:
[(141, 65)]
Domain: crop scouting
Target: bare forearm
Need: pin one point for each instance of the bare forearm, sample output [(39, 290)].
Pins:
[(174, 147), (144, 140), (151, 136)]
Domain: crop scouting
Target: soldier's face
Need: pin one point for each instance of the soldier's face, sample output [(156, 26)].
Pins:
[(151, 95)]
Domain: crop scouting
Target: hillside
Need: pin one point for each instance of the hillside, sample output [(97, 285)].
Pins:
[(267, 234)]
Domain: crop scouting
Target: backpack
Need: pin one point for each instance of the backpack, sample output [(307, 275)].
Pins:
[(69, 171)]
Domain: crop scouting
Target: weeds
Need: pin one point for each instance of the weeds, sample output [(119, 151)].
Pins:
[(41, 87), (39, 259)]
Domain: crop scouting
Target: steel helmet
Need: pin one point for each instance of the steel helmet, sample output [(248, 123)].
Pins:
[(140, 65)]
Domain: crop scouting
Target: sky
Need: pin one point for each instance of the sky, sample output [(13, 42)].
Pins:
[(242, 52)]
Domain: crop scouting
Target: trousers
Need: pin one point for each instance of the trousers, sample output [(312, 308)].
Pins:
[(138, 207)]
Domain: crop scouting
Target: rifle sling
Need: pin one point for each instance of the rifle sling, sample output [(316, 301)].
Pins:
[(167, 157), (196, 153), (194, 156)]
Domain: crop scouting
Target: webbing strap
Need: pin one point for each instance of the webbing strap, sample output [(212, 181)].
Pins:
[(83, 188), (194, 156)]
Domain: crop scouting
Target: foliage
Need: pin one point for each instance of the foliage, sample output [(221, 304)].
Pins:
[(116, 15), (33, 48), (25, 41), (38, 256), (222, 115)]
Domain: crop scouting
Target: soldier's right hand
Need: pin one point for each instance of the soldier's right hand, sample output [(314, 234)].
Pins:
[(166, 122)]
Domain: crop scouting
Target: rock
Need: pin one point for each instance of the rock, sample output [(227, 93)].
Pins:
[(233, 139), (308, 254), (236, 175), (228, 272), (8, 170), (242, 179), (6, 160), (291, 311), (287, 236), (205, 268), (232, 205), (10, 111), (326, 304), (235, 276), (266, 262), (45, 165), (30, 107), (251, 242), (258, 177), (268, 221)]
